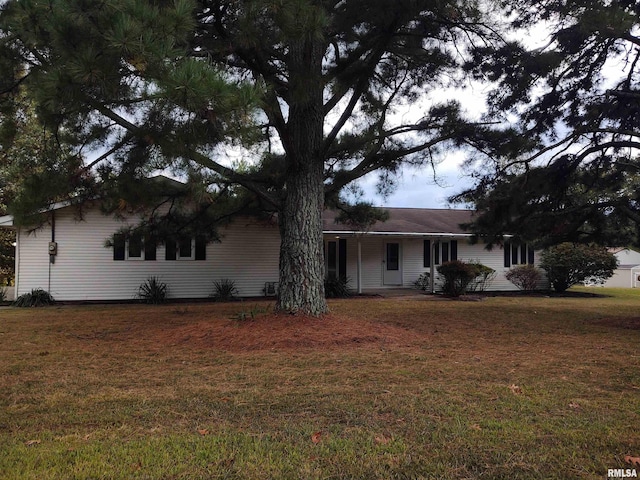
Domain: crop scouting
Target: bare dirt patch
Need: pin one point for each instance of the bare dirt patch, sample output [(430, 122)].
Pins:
[(632, 323)]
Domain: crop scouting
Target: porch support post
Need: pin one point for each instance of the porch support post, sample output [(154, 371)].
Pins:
[(432, 271), (359, 266)]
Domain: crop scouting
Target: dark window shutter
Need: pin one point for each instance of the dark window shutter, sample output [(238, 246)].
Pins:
[(118, 246), (531, 259), (426, 254), (342, 259), (436, 254), (201, 248), (445, 252), (514, 253), (170, 250), (150, 249), (507, 254), (454, 250), (523, 254)]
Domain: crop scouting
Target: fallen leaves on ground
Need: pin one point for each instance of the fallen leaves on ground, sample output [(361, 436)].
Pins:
[(515, 389), (635, 461)]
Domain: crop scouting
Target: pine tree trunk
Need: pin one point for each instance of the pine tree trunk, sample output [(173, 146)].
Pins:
[(301, 247), (301, 288)]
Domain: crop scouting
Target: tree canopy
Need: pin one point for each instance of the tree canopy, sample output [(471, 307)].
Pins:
[(314, 89), (565, 166)]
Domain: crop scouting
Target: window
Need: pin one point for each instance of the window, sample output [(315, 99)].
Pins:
[(393, 256), (134, 247), (186, 249), (516, 253), (336, 259), (442, 252)]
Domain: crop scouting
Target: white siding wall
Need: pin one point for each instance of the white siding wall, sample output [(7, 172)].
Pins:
[(248, 254), (33, 265), (622, 278), (85, 270)]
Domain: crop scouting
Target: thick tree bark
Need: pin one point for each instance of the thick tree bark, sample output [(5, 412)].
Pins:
[(301, 249)]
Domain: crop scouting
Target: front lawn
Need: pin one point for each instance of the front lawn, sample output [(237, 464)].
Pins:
[(504, 388)]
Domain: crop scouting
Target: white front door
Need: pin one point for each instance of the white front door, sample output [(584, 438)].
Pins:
[(392, 271)]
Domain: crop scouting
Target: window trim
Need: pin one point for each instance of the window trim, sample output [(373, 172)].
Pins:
[(518, 253), (440, 255), (192, 250), (122, 249), (198, 250), (127, 250)]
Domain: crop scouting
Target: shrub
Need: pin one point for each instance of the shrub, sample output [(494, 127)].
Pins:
[(484, 276), (335, 287), (423, 282), (35, 298), (224, 290), (567, 264), (153, 291), (456, 276), (525, 277), (3, 295)]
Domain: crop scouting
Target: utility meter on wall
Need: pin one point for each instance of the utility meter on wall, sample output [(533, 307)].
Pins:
[(53, 248)]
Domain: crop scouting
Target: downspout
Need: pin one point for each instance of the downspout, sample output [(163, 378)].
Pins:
[(52, 258), (16, 282), (432, 270)]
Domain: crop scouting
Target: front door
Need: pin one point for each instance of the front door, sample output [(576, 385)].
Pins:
[(392, 274)]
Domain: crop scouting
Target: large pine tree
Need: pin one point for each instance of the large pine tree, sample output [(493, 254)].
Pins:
[(568, 168), (315, 85)]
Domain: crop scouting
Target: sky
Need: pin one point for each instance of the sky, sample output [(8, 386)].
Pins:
[(418, 189)]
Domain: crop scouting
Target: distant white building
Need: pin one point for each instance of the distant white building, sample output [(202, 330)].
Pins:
[(627, 275)]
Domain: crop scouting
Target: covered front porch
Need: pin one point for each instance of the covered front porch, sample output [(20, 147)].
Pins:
[(386, 262)]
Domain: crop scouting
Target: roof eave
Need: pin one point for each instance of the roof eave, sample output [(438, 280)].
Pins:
[(6, 221), (398, 234)]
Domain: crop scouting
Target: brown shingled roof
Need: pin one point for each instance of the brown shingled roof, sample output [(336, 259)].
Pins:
[(409, 220)]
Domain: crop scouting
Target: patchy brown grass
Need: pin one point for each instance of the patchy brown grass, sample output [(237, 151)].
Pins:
[(506, 387)]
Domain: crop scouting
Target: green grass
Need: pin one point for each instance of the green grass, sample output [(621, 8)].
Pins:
[(506, 388)]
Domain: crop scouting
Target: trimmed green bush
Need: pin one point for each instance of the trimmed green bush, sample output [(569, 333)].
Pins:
[(35, 298), (456, 276), (484, 276), (525, 277), (567, 264)]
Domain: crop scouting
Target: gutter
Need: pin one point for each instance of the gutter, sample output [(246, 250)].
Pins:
[(405, 234)]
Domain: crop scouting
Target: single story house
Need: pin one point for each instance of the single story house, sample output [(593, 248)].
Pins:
[(68, 257)]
